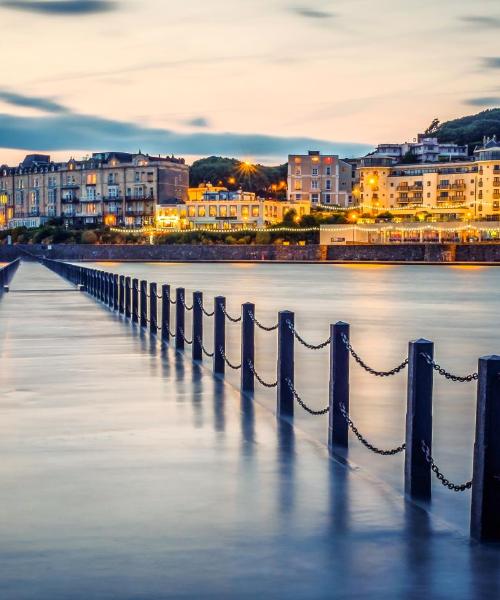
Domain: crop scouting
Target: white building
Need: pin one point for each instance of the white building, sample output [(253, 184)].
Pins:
[(424, 149)]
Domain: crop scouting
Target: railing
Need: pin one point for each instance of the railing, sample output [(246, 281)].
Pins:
[(7, 273), (138, 302)]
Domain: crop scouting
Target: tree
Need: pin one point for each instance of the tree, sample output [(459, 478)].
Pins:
[(433, 127)]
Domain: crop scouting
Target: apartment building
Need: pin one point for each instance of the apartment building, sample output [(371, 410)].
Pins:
[(219, 208), (444, 191), (319, 179), (424, 149), (111, 188)]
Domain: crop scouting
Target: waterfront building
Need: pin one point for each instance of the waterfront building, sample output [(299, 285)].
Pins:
[(445, 191), (218, 208), (424, 149), (319, 179), (110, 188)]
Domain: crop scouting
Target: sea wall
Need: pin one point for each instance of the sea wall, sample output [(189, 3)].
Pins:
[(411, 253)]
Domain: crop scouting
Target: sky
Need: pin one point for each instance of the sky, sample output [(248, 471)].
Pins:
[(254, 79)]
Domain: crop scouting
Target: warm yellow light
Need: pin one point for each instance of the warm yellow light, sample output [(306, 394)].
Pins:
[(353, 217), (231, 180)]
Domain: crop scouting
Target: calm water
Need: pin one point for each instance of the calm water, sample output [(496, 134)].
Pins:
[(456, 307)]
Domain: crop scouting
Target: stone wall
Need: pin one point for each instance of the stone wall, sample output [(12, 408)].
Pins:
[(422, 253)]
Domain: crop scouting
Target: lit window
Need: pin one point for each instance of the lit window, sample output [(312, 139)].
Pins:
[(223, 211), (232, 210), (201, 211), (245, 211), (212, 211), (255, 211), (192, 211), (91, 178)]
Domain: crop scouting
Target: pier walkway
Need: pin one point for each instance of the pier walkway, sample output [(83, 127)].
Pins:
[(128, 473)]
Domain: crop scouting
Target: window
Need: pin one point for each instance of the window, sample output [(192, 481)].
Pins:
[(298, 196), (192, 211), (245, 211), (233, 210), (212, 211), (137, 177), (255, 211), (91, 178), (201, 211), (223, 211), (298, 171), (91, 195), (328, 198), (113, 192), (314, 184), (315, 171), (328, 171), (297, 185), (314, 197), (328, 184)]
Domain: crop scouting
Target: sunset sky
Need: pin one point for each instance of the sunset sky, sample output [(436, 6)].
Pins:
[(254, 79)]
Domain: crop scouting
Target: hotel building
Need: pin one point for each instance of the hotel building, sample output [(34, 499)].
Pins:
[(110, 188), (217, 208), (443, 191), (319, 179), (424, 149)]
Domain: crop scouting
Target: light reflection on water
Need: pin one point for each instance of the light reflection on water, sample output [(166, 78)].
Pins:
[(386, 305)]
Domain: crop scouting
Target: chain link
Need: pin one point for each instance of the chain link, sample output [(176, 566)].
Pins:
[(259, 379), (304, 343), (299, 400), (435, 469), (450, 376), (204, 350), (183, 301), (263, 327), (205, 312), (227, 361), (361, 362), (364, 441), (232, 319), (181, 331)]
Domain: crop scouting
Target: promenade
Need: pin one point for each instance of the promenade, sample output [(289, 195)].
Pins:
[(127, 472)]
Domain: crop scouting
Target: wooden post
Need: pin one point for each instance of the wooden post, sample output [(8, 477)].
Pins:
[(219, 335), (127, 297), (153, 309), (338, 429), (197, 326), (285, 400), (247, 347), (135, 300), (485, 507), (179, 318), (144, 303), (165, 314), (121, 306), (418, 420), (116, 292)]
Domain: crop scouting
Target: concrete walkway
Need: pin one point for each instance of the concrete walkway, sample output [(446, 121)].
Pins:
[(127, 473)]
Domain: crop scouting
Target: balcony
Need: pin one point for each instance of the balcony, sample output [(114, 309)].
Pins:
[(138, 213), (70, 186), (69, 200), (410, 200), (403, 187), (457, 186), (112, 198)]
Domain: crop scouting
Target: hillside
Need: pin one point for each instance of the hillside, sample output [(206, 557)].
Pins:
[(469, 130), (232, 173)]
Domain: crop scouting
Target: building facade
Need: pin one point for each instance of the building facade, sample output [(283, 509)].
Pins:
[(218, 208), (319, 179), (445, 191), (110, 188), (424, 149)]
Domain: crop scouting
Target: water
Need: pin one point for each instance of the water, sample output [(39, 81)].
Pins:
[(454, 306)]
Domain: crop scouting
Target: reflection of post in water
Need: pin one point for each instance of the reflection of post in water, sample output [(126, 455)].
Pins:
[(339, 500), (219, 405), (197, 395), (419, 546), (484, 567), (247, 425), (286, 466)]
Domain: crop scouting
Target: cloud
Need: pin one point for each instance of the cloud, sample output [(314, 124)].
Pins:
[(483, 101), (491, 62), (481, 22), (198, 122), (44, 104), (311, 13), (61, 7), (65, 130)]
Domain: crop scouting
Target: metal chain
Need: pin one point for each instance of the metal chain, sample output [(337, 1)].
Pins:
[(364, 441), (304, 343), (232, 319), (441, 371), (435, 469), (208, 314), (311, 411), (263, 327), (181, 331), (360, 362), (227, 361), (205, 351), (183, 301), (259, 379)]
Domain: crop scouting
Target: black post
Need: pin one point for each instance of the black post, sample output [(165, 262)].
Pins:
[(338, 428), (247, 347), (153, 309), (127, 297), (144, 303), (165, 313), (179, 318), (135, 300), (219, 335), (101, 286), (110, 291), (121, 306), (419, 419), (485, 507), (197, 326), (115, 292), (285, 400)]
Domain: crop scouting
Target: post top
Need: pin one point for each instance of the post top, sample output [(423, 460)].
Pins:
[(421, 341), (491, 357), (342, 324)]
